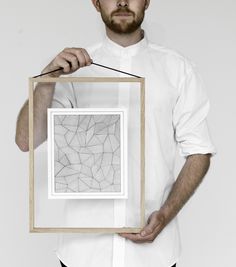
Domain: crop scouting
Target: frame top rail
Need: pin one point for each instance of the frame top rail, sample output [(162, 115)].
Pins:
[(87, 79)]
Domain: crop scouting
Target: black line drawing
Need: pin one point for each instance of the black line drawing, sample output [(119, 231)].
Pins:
[(86, 157)]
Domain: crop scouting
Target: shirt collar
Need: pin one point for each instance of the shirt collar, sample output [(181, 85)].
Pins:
[(120, 51)]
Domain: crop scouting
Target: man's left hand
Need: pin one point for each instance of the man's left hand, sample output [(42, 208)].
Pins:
[(155, 223)]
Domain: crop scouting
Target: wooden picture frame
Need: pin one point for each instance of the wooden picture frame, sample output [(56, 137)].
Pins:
[(33, 228)]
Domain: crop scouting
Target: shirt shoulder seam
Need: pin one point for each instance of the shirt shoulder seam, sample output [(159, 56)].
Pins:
[(168, 50), (93, 48)]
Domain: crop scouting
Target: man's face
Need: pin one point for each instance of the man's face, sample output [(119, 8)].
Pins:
[(122, 16)]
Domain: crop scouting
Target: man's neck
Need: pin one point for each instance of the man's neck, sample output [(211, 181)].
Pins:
[(125, 39)]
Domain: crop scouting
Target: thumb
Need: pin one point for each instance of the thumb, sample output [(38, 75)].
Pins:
[(152, 223)]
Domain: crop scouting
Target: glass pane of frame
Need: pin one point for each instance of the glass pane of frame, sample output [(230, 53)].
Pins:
[(88, 176)]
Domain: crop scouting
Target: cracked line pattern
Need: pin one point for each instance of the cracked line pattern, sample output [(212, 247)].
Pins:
[(87, 153)]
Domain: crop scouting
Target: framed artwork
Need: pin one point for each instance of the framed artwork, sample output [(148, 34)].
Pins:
[(86, 152)]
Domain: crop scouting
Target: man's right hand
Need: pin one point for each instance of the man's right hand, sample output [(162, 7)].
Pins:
[(70, 59)]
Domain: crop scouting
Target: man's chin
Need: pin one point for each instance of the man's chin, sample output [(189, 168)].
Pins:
[(123, 29)]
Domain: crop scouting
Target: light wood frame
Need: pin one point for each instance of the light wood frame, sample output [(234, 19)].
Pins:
[(32, 227)]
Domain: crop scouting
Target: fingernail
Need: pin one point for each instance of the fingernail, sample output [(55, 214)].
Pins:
[(143, 233)]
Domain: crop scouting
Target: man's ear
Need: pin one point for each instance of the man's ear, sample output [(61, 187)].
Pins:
[(96, 4), (147, 2)]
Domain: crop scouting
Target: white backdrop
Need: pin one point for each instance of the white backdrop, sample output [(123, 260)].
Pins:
[(33, 32)]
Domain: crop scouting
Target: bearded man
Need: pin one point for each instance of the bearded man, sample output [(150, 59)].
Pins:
[(177, 107)]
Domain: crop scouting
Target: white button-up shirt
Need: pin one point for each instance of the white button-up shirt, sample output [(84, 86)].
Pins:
[(176, 108)]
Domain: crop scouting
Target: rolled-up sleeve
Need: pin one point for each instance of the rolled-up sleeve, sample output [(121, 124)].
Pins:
[(64, 96), (190, 115)]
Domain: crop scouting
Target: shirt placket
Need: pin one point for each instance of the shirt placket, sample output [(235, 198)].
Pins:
[(120, 204)]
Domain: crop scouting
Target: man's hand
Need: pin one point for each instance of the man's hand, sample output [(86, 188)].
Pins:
[(155, 223), (189, 178), (70, 59)]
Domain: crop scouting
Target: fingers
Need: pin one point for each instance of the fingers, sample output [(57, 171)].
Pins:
[(152, 233), (154, 226), (137, 238), (154, 220), (133, 237), (70, 60), (81, 54), (63, 62), (87, 56)]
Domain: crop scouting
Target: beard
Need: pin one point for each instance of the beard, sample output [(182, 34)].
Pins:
[(123, 26)]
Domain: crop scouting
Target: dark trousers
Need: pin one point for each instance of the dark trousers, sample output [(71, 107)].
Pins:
[(63, 265)]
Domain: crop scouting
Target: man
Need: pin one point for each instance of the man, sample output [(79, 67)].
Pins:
[(176, 112)]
